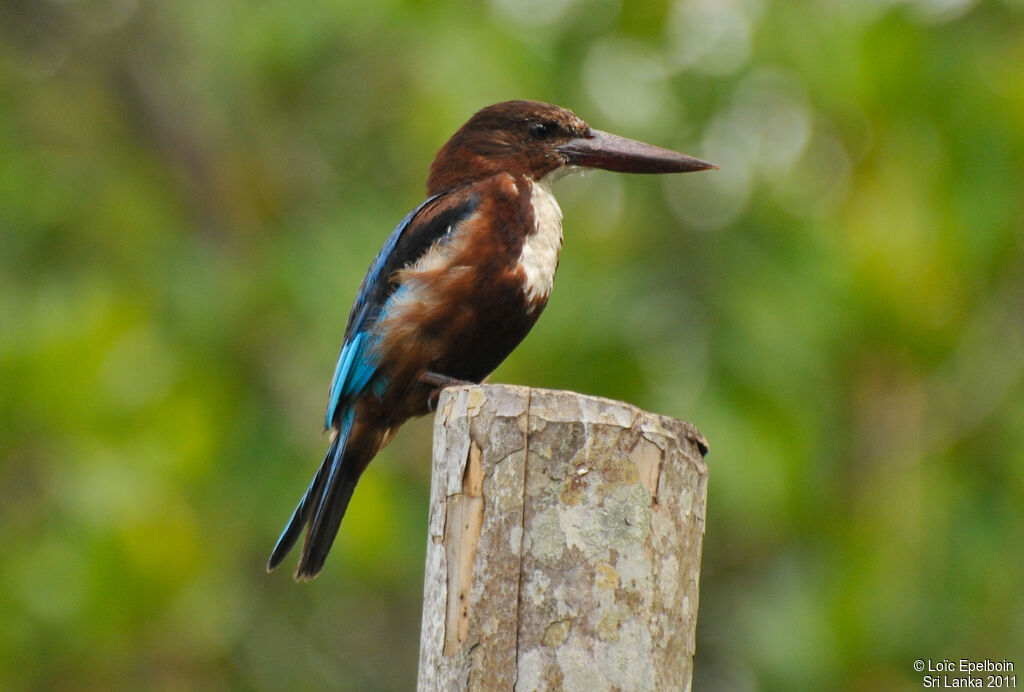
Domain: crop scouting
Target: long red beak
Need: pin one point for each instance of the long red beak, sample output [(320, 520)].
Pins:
[(613, 153)]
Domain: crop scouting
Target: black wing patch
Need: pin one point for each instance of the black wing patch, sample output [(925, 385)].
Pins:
[(428, 223)]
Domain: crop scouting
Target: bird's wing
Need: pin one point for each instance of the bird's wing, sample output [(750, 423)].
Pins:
[(425, 225)]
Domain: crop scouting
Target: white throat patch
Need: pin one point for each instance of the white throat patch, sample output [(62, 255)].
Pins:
[(539, 258)]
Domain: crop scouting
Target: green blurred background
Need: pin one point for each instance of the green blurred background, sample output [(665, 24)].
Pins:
[(190, 193)]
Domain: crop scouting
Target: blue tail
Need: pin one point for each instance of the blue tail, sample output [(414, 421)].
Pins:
[(324, 504)]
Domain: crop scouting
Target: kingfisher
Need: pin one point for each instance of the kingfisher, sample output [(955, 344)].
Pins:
[(456, 287)]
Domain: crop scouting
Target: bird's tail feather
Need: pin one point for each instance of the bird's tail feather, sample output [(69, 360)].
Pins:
[(324, 503), (300, 517)]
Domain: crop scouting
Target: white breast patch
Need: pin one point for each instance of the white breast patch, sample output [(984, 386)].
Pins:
[(539, 258)]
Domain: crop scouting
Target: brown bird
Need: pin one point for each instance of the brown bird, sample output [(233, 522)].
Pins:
[(458, 284)]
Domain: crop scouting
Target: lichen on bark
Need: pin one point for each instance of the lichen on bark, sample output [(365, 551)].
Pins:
[(565, 544)]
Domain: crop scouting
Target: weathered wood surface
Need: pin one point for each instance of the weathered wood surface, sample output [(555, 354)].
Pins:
[(564, 547)]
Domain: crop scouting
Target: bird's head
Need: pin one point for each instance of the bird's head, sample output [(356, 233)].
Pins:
[(535, 139)]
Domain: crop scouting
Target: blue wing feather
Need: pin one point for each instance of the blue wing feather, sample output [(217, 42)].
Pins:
[(416, 234), (346, 378), (355, 363)]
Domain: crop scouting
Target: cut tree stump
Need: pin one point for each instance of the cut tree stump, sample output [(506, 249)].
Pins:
[(564, 547)]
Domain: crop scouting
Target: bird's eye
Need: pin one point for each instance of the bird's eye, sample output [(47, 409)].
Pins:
[(542, 130)]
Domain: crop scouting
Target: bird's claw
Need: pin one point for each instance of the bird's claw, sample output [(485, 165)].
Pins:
[(433, 398), (439, 382)]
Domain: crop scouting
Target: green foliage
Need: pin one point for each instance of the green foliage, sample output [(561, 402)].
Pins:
[(190, 193)]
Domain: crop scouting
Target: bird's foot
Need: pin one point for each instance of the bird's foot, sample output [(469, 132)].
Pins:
[(439, 382)]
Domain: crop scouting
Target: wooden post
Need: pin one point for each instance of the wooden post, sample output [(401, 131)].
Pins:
[(564, 547)]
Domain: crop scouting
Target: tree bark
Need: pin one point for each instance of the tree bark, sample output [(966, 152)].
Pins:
[(564, 547)]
